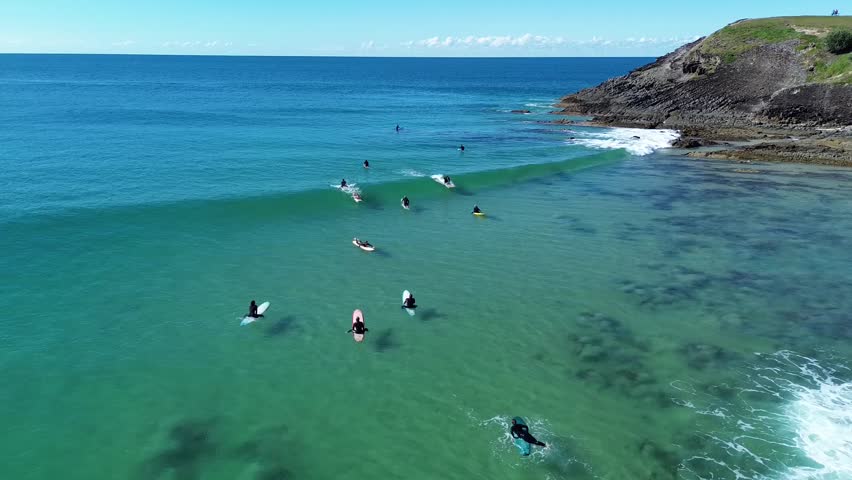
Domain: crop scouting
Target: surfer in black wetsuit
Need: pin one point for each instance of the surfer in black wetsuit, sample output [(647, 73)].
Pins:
[(461, 148), (343, 183), (446, 180), (476, 209), (366, 164), (253, 310), (409, 302), (358, 327), (397, 128), (523, 432), (405, 201)]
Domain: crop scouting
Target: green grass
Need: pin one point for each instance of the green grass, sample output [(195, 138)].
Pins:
[(732, 41), (838, 71)]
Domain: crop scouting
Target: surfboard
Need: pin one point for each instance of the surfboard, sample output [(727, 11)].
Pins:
[(479, 214), (260, 309), (440, 179), (357, 198), (405, 295), (359, 337), (524, 446), (362, 247)]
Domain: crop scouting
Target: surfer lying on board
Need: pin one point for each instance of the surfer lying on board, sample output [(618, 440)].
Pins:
[(363, 243), (523, 432), (476, 209), (253, 310), (358, 327), (405, 201), (409, 302), (343, 183)]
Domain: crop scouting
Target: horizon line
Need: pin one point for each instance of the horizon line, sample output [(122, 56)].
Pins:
[(313, 56)]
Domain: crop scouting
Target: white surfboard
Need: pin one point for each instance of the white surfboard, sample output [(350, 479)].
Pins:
[(260, 309), (440, 179), (405, 295)]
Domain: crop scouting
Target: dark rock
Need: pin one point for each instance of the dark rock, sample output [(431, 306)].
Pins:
[(524, 112)]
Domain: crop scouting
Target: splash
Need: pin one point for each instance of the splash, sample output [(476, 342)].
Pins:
[(791, 420), (637, 141)]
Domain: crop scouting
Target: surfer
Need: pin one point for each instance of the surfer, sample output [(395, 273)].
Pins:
[(397, 128), (476, 209), (363, 243), (253, 310), (405, 202), (461, 147), (358, 327), (366, 164), (409, 302), (343, 183), (357, 197), (447, 180), (523, 432)]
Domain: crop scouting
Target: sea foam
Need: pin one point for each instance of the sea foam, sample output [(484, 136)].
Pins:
[(637, 141)]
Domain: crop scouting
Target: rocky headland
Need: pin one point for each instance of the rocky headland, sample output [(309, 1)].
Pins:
[(772, 89)]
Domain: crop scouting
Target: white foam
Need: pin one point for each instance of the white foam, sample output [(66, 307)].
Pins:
[(647, 142), (823, 418), (411, 173)]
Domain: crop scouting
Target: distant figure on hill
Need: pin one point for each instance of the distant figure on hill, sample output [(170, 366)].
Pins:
[(835, 13)]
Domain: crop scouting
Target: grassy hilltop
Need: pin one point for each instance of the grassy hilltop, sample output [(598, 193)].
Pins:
[(737, 38)]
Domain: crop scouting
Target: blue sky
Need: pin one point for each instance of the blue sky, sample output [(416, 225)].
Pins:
[(376, 28)]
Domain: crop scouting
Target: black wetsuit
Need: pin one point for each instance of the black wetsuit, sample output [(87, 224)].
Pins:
[(343, 184), (523, 432), (476, 210), (359, 328), (461, 148), (366, 163), (409, 303), (253, 311), (405, 201)]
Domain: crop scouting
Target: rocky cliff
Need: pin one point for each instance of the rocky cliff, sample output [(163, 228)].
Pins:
[(766, 73)]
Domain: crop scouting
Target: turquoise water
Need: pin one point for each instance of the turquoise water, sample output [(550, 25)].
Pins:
[(650, 316)]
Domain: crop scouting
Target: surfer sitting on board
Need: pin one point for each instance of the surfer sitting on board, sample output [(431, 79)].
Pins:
[(409, 302), (253, 310), (523, 432), (476, 209), (446, 179), (343, 183), (358, 327)]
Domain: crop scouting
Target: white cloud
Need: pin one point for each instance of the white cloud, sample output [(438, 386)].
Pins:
[(123, 43), (529, 40), (198, 44), (490, 41)]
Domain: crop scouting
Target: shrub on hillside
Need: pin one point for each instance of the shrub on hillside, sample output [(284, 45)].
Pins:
[(839, 41)]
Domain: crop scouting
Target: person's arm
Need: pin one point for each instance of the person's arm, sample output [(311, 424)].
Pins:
[(349, 331), (512, 431)]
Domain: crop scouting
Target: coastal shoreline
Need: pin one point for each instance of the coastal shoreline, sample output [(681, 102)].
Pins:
[(775, 143)]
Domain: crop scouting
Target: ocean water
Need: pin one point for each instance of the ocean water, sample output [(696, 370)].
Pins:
[(652, 317)]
